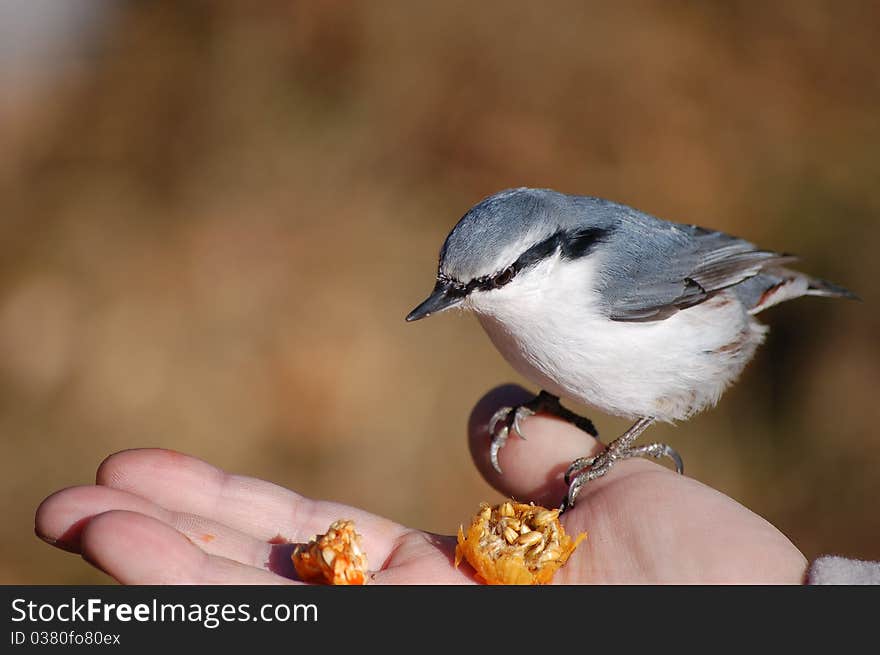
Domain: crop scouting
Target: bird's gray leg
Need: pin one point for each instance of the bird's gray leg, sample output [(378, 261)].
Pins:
[(584, 469), (510, 418)]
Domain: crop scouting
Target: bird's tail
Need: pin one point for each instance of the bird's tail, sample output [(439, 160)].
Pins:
[(817, 287), (771, 287)]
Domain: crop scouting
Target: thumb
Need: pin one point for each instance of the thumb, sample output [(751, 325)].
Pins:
[(533, 468)]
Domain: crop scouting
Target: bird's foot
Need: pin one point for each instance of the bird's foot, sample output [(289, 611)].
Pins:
[(584, 469), (508, 419)]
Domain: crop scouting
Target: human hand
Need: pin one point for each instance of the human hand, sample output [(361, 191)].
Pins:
[(161, 517)]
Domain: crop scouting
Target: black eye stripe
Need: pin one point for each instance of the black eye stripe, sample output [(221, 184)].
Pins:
[(572, 245), (581, 243), (504, 277), (453, 287)]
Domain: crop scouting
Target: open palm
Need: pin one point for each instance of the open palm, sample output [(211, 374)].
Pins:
[(161, 517)]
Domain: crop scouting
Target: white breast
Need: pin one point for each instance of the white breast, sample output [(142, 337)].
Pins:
[(556, 336)]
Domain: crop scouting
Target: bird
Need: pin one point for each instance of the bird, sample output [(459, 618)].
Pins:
[(602, 304)]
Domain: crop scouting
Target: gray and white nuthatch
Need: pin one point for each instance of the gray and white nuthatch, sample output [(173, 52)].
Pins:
[(600, 303)]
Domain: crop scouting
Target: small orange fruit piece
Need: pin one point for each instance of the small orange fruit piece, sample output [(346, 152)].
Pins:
[(515, 543), (335, 558)]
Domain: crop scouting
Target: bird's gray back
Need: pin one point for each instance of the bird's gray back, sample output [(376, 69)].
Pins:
[(654, 268)]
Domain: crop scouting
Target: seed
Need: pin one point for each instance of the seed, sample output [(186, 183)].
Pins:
[(486, 513), (510, 535), (529, 538), (329, 555), (506, 509), (544, 517), (512, 523), (535, 550)]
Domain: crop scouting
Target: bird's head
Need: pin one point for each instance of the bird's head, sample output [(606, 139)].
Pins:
[(504, 246)]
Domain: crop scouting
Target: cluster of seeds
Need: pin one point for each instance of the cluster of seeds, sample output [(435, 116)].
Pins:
[(336, 557), (515, 543), (535, 532)]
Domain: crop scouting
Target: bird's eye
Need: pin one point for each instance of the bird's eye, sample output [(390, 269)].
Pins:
[(503, 277)]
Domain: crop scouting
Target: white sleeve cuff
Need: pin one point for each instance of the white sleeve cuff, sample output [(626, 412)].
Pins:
[(832, 569)]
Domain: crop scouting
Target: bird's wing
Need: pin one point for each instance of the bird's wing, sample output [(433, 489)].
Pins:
[(661, 268)]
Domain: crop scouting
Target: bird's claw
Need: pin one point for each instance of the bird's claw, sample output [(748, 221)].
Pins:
[(581, 471), (577, 465), (509, 418)]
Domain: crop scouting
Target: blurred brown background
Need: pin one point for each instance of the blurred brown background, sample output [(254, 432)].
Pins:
[(215, 215)]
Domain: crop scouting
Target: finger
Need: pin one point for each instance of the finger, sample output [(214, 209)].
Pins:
[(138, 549), (61, 518), (533, 468), (261, 509)]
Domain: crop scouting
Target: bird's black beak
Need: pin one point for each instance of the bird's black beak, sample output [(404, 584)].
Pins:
[(442, 297)]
